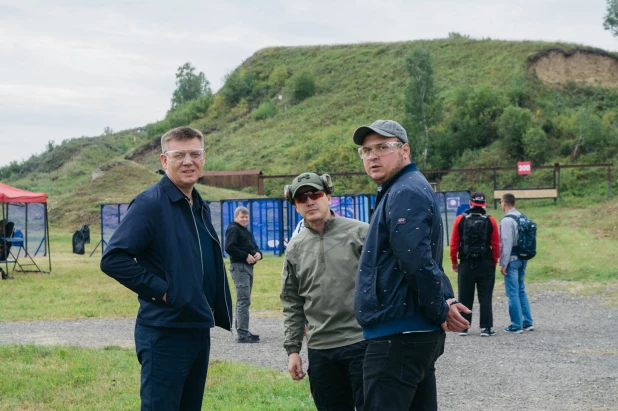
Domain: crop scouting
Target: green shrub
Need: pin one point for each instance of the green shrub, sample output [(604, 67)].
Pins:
[(566, 148), (536, 145), (264, 111), (278, 77), (512, 125), (158, 128), (302, 85), (238, 85), (184, 114)]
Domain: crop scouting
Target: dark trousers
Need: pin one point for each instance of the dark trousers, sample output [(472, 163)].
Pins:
[(174, 365), (336, 377), (399, 371), (482, 274)]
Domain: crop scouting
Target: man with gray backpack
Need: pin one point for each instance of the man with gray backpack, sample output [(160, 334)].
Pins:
[(475, 241), (517, 245)]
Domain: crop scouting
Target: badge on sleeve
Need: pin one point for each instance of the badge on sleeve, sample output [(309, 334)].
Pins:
[(401, 220)]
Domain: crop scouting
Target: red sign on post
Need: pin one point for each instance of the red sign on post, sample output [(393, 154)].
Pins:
[(523, 167)]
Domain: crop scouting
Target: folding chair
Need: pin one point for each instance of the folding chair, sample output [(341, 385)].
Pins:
[(18, 241)]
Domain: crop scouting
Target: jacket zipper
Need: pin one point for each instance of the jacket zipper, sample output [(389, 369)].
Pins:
[(201, 256), (222, 259)]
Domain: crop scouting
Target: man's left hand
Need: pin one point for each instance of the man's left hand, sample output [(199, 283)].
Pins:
[(257, 256), (454, 320)]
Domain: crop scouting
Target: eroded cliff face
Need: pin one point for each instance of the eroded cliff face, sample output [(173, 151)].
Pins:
[(557, 66)]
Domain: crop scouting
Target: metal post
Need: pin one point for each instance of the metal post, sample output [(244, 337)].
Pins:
[(446, 219), (26, 228), (495, 187), (102, 224), (557, 183), (48, 240), (280, 213), (609, 181), (221, 203)]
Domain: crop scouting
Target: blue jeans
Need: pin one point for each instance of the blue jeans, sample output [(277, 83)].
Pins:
[(519, 307)]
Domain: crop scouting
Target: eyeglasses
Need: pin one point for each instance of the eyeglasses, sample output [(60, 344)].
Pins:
[(379, 149), (313, 195), (180, 155)]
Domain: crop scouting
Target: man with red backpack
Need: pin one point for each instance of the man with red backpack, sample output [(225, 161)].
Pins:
[(476, 242)]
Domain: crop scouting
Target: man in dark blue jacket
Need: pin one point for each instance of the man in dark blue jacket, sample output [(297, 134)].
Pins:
[(166, 250), (404, 302)]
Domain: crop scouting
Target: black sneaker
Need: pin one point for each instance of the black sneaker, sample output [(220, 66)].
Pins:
[(487, 332), (248, 340), (529, 327), (513, 330), (254, 335), (463, 333)]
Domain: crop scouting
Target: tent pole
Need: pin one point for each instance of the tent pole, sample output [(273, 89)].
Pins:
[(4, 218), (47, 240), (26, 229)]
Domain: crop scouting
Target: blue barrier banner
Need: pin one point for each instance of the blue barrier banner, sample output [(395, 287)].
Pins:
[(29, 219), (265, 222), (450, 203), (111, 216), (273, 220)]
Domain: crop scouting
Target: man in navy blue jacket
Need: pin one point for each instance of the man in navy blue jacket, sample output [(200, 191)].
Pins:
[(167, 251), (404, 302)]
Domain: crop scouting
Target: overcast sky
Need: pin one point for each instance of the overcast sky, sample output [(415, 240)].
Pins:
[(71, 68)]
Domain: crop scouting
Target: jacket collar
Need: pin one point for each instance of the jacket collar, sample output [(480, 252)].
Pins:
[(476, 210), (239, 225), (328, 222), (174, 192), (384, 187)]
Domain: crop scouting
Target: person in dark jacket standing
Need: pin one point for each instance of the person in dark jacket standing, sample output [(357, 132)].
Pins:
[(476, 241), (244, 253), (166, 250), (403, 300)]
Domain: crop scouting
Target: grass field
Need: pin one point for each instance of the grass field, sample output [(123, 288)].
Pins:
[(72, 378), (577, 251), (574, 244)]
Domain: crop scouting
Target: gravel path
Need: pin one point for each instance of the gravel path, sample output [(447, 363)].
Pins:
[(570, 362)]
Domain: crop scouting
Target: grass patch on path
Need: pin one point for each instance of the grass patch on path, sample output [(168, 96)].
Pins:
[(73, 378)]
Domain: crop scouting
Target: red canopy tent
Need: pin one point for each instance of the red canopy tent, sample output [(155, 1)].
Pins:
[(28, 211), (10, 194)]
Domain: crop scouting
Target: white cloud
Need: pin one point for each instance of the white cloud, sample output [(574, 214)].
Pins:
[(71, 68)]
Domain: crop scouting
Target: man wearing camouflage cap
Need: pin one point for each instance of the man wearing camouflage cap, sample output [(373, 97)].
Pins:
[(318, 287)]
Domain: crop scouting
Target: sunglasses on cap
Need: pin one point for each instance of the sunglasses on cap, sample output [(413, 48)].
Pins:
[(303, 197)]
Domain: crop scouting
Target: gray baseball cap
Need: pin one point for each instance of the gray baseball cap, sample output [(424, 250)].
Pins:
[(386, 128)]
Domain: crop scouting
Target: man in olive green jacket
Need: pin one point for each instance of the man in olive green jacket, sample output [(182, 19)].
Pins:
[(317, 287)]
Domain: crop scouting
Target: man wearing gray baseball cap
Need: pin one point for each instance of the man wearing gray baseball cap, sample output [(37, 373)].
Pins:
[(403, 300)]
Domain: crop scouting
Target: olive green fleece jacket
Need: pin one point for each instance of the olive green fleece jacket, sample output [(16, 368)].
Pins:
[(317, 285)]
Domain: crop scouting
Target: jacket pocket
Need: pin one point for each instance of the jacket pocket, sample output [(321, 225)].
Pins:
[(366, 301)]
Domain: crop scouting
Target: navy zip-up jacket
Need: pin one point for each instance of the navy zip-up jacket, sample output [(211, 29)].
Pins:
[(401, 285), (156, 250)]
